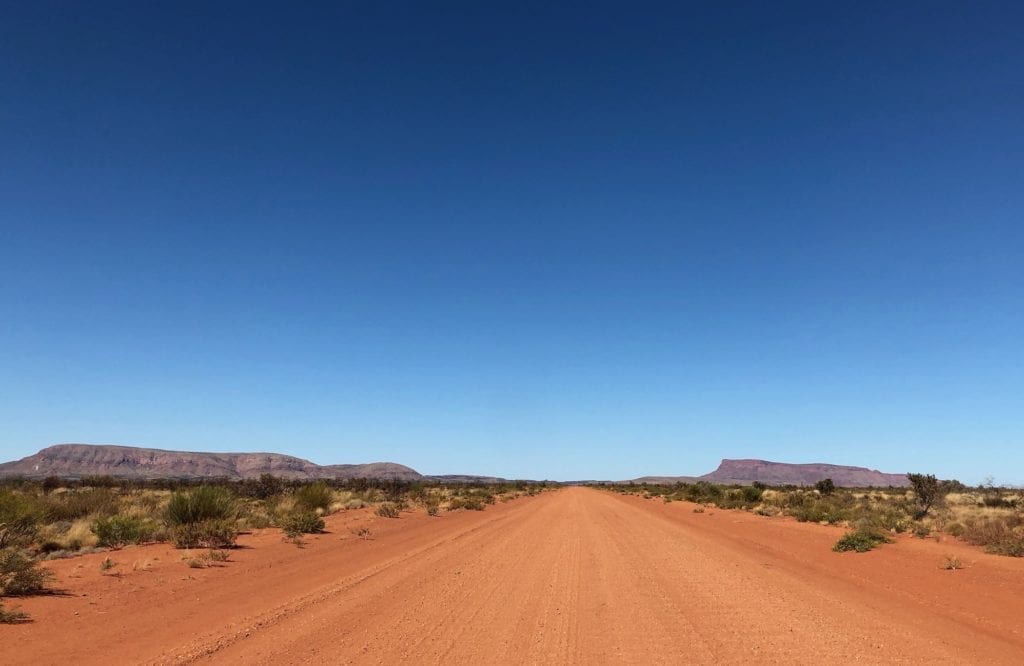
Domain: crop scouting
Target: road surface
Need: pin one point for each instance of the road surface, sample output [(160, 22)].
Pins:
[(576, 575)]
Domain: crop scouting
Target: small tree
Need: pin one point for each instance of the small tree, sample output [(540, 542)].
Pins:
[(825, 486), (928, 491)]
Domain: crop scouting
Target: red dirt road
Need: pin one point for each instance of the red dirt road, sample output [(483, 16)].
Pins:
[(573, 576)]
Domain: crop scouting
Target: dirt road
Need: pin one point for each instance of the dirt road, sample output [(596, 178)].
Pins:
[(572, 576)]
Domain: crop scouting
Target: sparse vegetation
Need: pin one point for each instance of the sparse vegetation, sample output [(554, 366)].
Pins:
[(119, 531), (314, 497), (56, 518), (20, 575), (205, 534), (300, 522), (205, 503), (986, 516), (860, 540), (952, 563), (12, 616), (202, 518)]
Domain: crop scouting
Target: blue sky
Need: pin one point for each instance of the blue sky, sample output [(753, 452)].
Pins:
[(597, 240)]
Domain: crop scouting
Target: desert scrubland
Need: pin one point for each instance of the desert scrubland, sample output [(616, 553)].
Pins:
[(576, 575)]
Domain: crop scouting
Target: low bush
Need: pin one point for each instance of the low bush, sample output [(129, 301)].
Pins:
[(299, 522), (1000, 535), (202, 504), (315, 496), (1012, 546), (119, 531), (20, 517), (219, 555), (860, 540), (81, 503), (48, 547), (206, 534), (13, 616), (825, 486), (388, 510), (20, 575), (468, 503)]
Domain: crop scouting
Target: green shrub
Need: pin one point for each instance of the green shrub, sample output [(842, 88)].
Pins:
[(300, 522), (202, 504), (20, 575), (954, 529), (388, 510), (861, 540), (922, 531), (314, 496), (752, 494), (928, 491), (206, 534), (20, 516), (703, 492), (825, 486), (118, 531)]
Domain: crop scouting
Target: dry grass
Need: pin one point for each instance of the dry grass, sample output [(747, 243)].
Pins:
[(989, 517)]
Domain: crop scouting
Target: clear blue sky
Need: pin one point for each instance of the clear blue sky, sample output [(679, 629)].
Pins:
[(593, 240)]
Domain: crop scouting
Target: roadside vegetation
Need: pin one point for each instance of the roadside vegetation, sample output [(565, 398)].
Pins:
[(56, 518), (53, 518), (986, 515)]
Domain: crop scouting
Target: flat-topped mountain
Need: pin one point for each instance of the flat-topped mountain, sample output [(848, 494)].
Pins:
[(75, 460), (777, 474), (774, 473)]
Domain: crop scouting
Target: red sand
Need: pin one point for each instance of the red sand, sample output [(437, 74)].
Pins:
[(573, 576)]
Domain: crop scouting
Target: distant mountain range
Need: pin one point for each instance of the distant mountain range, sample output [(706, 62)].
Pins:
[(776, 474), (78, 460)]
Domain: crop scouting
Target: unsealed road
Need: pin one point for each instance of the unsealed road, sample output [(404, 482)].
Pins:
[(572, 576)]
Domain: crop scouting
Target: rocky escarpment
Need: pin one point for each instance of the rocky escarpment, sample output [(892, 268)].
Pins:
[(77, 460), (775, 473)]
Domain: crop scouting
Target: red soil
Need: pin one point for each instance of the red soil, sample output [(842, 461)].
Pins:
[(574, 576)]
